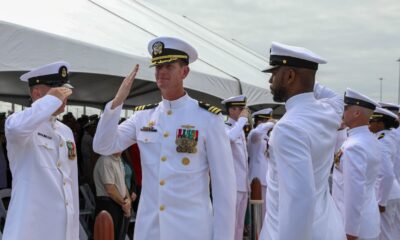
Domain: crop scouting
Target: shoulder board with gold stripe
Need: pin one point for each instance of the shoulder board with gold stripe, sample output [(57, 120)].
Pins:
[(382, 135), (144, 107), (209, 108)]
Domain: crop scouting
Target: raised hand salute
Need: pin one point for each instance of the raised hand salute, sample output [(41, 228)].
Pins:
[(125, 88)]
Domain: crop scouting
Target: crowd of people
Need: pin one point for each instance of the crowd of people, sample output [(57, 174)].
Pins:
[(191, 170)]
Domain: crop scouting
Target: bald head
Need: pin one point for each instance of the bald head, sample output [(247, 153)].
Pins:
[(355, 116)]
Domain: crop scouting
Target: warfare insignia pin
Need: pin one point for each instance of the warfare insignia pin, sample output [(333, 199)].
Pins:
[(149, 127), (151, 123)]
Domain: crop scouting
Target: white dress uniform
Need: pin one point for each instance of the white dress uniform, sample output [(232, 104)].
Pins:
[(237, 139), (388, 188), (385, 179), (42, 154), (257, 142), (396, 230), (354, 183), (235, 132), (355, 176), (394, 204), (396, 167), (238, 142), (44, 199), (175, 200), (301, 147)]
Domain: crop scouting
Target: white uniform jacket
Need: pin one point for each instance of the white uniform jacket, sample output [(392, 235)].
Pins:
[(175, 200), (301, 148), (386, 176), (257, 141), (395, 191), (354, 179), (237, 138), (397, 159), (42, 154)]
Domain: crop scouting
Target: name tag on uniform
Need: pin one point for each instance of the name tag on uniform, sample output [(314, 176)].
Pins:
[(44, 135), (186, 139), (71, 150), (148, 129)]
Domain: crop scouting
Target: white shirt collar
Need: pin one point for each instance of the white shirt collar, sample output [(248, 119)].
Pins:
[(299, 100), (231, 120), (53, 121), (178, 103), (358, 130)]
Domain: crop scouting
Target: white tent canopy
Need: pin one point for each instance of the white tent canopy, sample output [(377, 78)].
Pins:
[(103, 39)]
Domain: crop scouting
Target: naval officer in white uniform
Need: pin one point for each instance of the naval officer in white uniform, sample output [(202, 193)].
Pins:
[(257, 143), (42, 154), (237, 119), (356, 170), (388, 187), (301, 149), (396, 166), (182, 145)]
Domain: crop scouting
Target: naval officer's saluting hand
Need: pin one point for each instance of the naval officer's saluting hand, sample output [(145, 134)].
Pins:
[(125, 88)]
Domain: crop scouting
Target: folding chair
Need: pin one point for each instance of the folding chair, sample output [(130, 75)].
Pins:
[(4, 193), (88, 208), (82, 232), (89, 203)]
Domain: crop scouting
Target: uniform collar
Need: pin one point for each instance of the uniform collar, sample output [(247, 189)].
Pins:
[(178, 103), (231, 120), (358, 130), (299, 100), (53, 121)]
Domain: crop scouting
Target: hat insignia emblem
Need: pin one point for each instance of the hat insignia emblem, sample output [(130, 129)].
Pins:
[(158, 48), (63, 72)]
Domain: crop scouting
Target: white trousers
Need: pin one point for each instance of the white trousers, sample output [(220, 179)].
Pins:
[(264, 197), (388, 218), (396, 229), (241, 206)]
